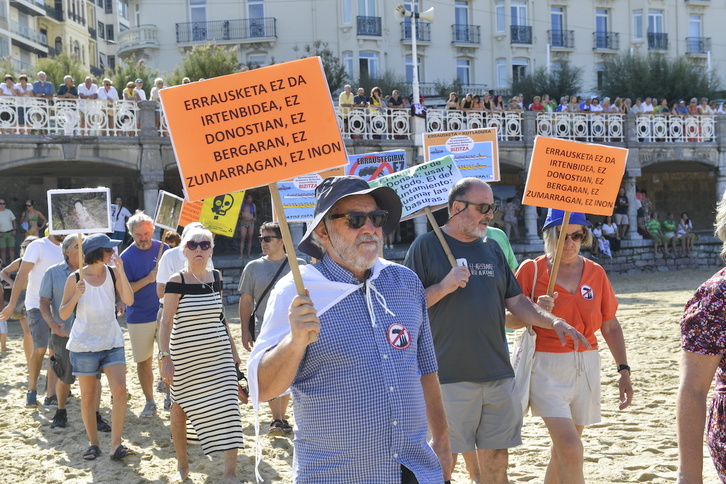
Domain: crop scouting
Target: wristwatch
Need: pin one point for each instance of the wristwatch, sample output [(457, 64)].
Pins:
[(163, 354), (623, 367)]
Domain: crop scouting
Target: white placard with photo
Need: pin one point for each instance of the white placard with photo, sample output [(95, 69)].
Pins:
[(168, 211), (82, 210)]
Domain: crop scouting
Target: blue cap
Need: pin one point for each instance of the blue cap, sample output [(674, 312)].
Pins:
[(554, 218), (96, 241)]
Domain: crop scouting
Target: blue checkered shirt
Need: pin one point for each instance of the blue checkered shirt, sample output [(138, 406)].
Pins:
[(359, 405)]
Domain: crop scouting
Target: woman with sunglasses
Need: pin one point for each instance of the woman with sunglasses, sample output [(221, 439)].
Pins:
[(32, 220), (198, 359), (565, 384), (96, 342)]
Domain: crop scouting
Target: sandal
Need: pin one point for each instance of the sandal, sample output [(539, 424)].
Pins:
[(92, 452), (122, 452)]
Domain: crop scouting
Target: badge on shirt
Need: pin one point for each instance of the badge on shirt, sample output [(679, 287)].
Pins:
[(398, 336), (586, 292)]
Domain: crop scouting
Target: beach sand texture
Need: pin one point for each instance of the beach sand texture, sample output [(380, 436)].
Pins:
[(634, 445)]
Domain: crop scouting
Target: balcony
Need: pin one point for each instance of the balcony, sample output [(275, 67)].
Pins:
[(35, 8), (561, 39), (521, 34), (423, 31), (698, 45), (657, 41), (138, 38), (92, 33), (465, 34), (224, 31), (76, 18), (606, 41), (369, 26), (28, 38), (21, 67), (55, 14)]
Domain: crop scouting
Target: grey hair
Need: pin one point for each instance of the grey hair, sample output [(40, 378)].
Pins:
[(193, 225), (720, 224), (139, 217), (197, 234), (315, 239), (549, 236), (67, 242), (65, 78)]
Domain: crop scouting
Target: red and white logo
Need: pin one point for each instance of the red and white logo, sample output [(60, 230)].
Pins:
[(586, 292), (398, 336)]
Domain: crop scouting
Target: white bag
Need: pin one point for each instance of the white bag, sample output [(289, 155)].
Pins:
[(522, 357)]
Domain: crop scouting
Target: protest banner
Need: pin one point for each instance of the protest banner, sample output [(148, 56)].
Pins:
[(370, 166), (298, 195), (83, 210), (573, 177), (475, 151), (254, 128), (168, 211), (220, 214), (422, 189), (191, 212)]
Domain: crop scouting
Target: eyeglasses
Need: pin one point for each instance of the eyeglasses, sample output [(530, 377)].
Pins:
[(576, 236), (357, 220), (484, 208), (204, 245), (2, 203), (267, 238)]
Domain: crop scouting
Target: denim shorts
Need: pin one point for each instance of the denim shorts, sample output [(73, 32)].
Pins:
[(88, 363)]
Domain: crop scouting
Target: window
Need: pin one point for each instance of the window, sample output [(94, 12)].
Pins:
[(101, 30), (602, 23), (109, 6), (637, 24), (198, 16), (367, 8), (368, 64), (256, 13), (348, 64), (520, 68), (694, 25), (696, 44), (518, 11), (3, 12), (463, 71), (346, 12), (257, 60), (499, 13), (4, 47), (557, 19), (102, 61), (461, 12), (123, 9), (112, 62), (655, 21), (601, 73), (501, 72), (137, 13), (109, 32), (409, 69)]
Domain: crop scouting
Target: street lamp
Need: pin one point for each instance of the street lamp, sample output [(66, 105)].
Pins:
[(400, 12)]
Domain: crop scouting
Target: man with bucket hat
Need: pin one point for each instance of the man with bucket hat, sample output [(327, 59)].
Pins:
[(366, 392), (467, 306)]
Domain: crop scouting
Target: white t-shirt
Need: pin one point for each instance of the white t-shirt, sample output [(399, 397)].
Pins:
[(141, 92), (118, 219), (87, 91), (172, 261), (6, 220), (111, 94), (43, 253)]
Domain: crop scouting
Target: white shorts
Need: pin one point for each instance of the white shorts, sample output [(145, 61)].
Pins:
[(621, 219), (566, 385)]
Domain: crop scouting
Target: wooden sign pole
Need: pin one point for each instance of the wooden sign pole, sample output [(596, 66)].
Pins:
[(289, 246), (558, 254), (80, 257), (440, 235)]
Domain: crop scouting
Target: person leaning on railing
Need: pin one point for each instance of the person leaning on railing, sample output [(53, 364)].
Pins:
[(67, 89), (109, 94)]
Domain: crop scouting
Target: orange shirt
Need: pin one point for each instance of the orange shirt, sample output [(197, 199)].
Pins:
[(593, 302)]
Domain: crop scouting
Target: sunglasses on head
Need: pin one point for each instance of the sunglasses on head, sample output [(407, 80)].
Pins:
[(267, 238), (357, 220), (576, 236), (204, 245), (484, 208)]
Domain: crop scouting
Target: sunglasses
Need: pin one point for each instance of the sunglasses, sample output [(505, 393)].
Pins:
[(357, 220), (2, 203), (204, 245), (267, 238), (576, 236), (484, 208)]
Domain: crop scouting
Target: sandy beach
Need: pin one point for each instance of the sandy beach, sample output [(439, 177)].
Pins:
[(634, 445)]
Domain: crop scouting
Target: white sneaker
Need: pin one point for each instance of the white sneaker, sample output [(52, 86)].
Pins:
[(149, 410)]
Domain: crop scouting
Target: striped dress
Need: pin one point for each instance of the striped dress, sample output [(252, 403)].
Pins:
[(205, 380)]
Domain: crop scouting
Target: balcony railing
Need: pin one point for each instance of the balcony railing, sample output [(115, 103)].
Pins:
[(92, 33), (77, 18), (423, 31), (30, 7), (606, 40), (369, 26), (508, 124), (521, 34), (28, 33), (224, 30), (56, 14), (698, 45), (137, 38), (561, 38), (20, 66), (465, 34), (657, 41)]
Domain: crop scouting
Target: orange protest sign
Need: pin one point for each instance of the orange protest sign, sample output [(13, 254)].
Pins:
[(573, 176), (190, 212), (253, 128)]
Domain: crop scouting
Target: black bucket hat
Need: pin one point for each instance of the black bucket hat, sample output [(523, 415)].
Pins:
[(335, 188)]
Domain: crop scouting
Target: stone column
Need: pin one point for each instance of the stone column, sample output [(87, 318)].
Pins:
[(629, 184), (147, 119), (530, 224)]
